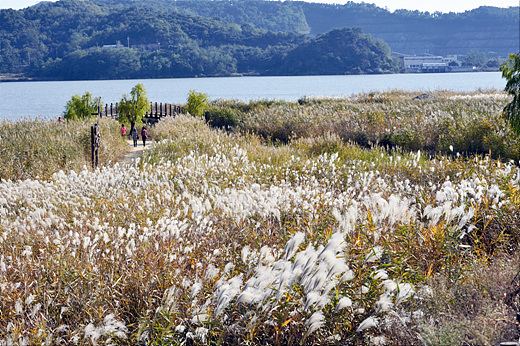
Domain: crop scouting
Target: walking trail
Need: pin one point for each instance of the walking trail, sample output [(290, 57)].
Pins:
[(134, 152)]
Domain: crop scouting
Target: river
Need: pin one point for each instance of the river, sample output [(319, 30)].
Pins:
[(48, 99)]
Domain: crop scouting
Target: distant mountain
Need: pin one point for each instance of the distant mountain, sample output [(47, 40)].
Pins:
[(75, 39), (490, 30)]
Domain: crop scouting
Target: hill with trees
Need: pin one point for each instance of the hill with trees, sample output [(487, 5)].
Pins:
[(487, 29), (73, 39), (490, 30), (339, 51), (107, 39)]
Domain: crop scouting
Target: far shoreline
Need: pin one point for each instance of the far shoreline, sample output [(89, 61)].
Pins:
[(6, 78)]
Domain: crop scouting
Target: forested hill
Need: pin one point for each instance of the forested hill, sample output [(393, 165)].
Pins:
[(486, 29), (489, 30), (75, 39), (287, 16)]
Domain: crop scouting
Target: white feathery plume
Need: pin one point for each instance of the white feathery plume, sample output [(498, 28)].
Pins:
[(316, 321), (343, 303), (370, 322)]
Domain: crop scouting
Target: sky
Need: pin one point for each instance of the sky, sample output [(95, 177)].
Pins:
[(391, 5)]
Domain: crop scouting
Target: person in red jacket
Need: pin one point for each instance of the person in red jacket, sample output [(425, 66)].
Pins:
[(123, 130), (144, 135)]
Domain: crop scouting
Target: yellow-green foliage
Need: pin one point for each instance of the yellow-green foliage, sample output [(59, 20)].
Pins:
[(81, 107), (132, 108), (196, 103)]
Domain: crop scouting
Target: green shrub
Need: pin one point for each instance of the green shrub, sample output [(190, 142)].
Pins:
[(81, 107), (222, 117), (197, 103)]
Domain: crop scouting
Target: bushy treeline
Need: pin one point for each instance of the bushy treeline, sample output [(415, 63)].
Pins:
[(73, 39)]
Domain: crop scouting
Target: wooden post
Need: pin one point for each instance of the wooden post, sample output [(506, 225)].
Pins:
[(95, 137), (92, 144), (156, 109)]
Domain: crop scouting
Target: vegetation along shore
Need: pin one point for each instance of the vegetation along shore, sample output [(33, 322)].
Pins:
[(376, 219), (121, 39)]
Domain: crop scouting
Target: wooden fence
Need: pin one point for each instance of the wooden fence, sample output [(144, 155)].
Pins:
[(156, 110)]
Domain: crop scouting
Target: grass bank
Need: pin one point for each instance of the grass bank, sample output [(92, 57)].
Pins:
[(222, 237), (37, 148), (443, 124)]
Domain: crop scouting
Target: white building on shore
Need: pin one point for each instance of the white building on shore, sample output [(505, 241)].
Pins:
[(431, 64)]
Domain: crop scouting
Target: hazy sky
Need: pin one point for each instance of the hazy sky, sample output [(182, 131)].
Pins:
[(422, 5)]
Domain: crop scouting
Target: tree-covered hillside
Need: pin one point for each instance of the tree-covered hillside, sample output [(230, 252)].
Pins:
[(336, 52), (74, 39), (486, 29), (490, 30), (285, 16)]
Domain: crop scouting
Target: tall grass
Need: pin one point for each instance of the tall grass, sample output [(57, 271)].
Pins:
[(465, 123), (31, 148), (224, 238)]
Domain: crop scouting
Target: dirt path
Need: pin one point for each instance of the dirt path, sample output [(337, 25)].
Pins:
[(134, 152)]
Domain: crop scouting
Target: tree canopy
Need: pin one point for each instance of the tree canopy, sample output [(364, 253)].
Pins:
[(81, 107), (511, 72), (341, 51), (196, 103), (133, 107), (485, 29)]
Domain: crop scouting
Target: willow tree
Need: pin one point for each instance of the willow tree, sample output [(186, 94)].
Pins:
[(132, 108), (81, 107), (511, 71), (197, 103)]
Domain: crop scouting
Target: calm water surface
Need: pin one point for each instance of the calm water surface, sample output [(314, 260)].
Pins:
[(48, 99)]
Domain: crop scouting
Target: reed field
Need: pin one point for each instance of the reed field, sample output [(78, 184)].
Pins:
[(38, 148), (369, 220)]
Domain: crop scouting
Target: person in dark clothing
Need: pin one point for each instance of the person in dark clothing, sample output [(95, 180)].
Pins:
[(134, 136), (144, 135)]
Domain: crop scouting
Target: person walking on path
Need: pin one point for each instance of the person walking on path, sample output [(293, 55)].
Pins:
[(135, 136), (144, 135), (123, 130)]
